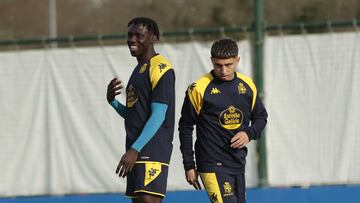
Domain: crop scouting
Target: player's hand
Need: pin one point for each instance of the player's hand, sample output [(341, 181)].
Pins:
[(240, 140), (113, 89), (192, 178), (127, 163)]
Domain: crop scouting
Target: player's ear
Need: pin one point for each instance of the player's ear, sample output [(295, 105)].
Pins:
[(154, 38), (237, 60)]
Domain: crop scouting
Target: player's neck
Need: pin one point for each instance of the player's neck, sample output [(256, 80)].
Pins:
[(146, 56)]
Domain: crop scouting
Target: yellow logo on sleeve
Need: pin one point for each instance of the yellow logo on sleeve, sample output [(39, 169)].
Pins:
[(231, 118), (143, 68), (241, 88)]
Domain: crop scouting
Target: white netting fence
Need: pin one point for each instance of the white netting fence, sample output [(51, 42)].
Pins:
[(58, 135), (313, 96)]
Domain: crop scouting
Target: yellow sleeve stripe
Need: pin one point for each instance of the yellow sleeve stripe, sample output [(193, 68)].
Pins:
[(196, 95), (252, 86), (158, 67)]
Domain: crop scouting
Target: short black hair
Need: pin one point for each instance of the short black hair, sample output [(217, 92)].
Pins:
[(149, 23), (224, 48)]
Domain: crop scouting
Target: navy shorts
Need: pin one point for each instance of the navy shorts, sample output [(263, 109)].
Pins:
[(147, 177), (224, 188)]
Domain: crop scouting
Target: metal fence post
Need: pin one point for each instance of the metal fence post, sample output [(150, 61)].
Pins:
[(258, 60)]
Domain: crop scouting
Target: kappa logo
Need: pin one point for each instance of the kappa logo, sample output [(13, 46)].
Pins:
[(162, 66), (215, 90), (192, 86), (152, 172), (213, 197)]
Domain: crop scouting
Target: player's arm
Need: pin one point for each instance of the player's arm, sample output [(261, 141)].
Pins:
[(164, 87), (258, 120), (158, 113), (114, 88), (186, 127), (153, 124), (120, 108), (127, 161)]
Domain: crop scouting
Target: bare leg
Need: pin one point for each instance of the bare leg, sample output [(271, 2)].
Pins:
[(147, 198)]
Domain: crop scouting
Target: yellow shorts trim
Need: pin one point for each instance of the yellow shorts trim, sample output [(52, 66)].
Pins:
[(144, 162), (149, 192)]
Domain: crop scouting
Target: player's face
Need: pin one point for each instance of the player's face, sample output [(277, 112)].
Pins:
[(224, 69), (139, 39)]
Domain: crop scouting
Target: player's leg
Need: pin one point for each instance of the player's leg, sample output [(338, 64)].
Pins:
[(220, 187), (240, 188), (147, 198)]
